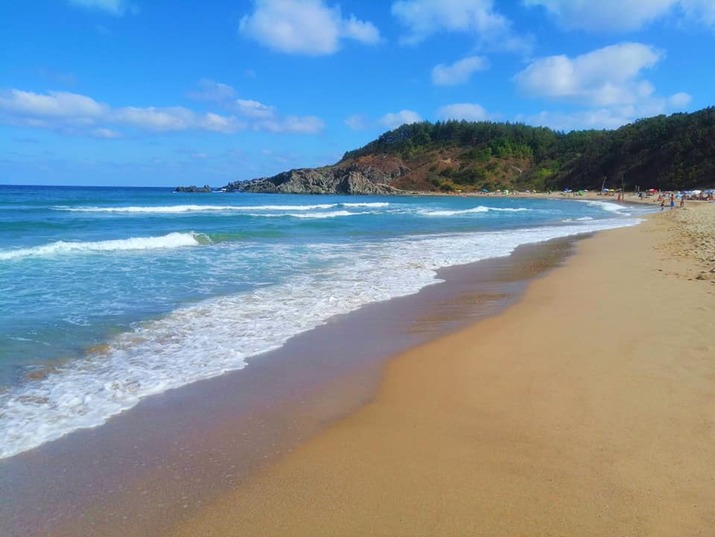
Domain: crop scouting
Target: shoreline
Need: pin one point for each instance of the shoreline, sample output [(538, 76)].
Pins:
[(585, 409), (184, 447)]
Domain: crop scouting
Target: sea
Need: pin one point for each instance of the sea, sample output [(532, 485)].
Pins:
[(110, 295)]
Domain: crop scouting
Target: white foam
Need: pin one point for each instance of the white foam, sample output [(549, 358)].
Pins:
[(177, 209), (331, 214), (172, 240), (582, 219), (479, 209), (373, 205), (218, 335), (606, 206)]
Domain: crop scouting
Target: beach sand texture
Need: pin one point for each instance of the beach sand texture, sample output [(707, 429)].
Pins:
[(586, 409)]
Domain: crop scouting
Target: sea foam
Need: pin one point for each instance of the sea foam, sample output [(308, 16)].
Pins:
[(178, 209), (473, 210), (219, 335), (59, 248)]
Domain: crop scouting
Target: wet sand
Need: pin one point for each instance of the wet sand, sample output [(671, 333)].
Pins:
[(588, 408), (173, 455)]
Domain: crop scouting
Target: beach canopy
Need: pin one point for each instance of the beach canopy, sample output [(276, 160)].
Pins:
[(651, 190)]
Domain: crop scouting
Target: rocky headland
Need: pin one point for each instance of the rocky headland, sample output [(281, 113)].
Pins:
[(351, 177), (664, 153)]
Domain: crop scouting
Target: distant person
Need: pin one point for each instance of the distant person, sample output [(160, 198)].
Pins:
[(682, 201), (672, 202), (662, 204)]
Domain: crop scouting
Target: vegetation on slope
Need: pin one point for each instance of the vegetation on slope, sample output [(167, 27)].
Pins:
[(673, 152)]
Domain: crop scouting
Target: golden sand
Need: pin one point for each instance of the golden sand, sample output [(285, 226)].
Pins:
[(586, 409)]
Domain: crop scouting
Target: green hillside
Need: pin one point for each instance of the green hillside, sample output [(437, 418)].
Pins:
[(667, 152)]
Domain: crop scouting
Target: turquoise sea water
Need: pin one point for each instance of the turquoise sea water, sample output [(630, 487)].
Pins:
[(109, 295)]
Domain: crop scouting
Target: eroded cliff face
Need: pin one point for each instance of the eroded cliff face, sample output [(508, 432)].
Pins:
[(345, 178)]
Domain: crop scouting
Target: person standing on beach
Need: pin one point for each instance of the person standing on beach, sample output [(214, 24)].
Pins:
[(672, 202), (662, 204)]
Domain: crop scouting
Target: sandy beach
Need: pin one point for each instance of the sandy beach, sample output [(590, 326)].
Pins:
[(586, 409)]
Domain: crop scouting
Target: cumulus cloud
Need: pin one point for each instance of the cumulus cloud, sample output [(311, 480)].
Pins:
[(608, 117), (679, 101), (55, 104), (423, 18), (623, 15), (702, 11), (304, 27), (395, 119), (254, 114), (291, 124), (357, 122), (459, 72), (209, 90), (466, 111), (107, 134), (591, 78), (114, 7), (252, 109), (81, 115)]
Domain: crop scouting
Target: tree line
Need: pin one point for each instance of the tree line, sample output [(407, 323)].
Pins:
[(664, 152)]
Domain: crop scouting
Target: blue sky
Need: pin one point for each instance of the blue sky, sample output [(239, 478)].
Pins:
[(166, 93)]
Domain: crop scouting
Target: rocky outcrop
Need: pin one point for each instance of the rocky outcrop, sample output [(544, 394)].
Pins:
[(193, 189), (344, 178)]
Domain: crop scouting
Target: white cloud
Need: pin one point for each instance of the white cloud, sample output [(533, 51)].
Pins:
[(608, 117), (55, 104), (424, 18), (459, 72), (364, 32), (253, 114), (209, 90), (252, 109), (592, 78), (115, 7), (623, 15), (357, 122), (81, 115), (304, 27), (291, 124), (679, 101), (466, 111), (395, 119), (107, 134), (702, 11)]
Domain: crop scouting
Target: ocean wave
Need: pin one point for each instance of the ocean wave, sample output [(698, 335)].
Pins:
[(582, 219), (318, 215), (608, 206), (331, 214), (172, 240), (196, 342), (368, 205), (479, 209), (178, 209)]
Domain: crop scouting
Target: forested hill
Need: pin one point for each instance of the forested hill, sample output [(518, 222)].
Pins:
[(666, 152)]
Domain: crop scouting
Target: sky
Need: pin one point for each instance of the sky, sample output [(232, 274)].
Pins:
[(168, 93)]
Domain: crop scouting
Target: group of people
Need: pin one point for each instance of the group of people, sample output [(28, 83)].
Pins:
[(672, 201)]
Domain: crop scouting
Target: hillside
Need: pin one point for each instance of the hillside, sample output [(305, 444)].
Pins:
[(665, 152)]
